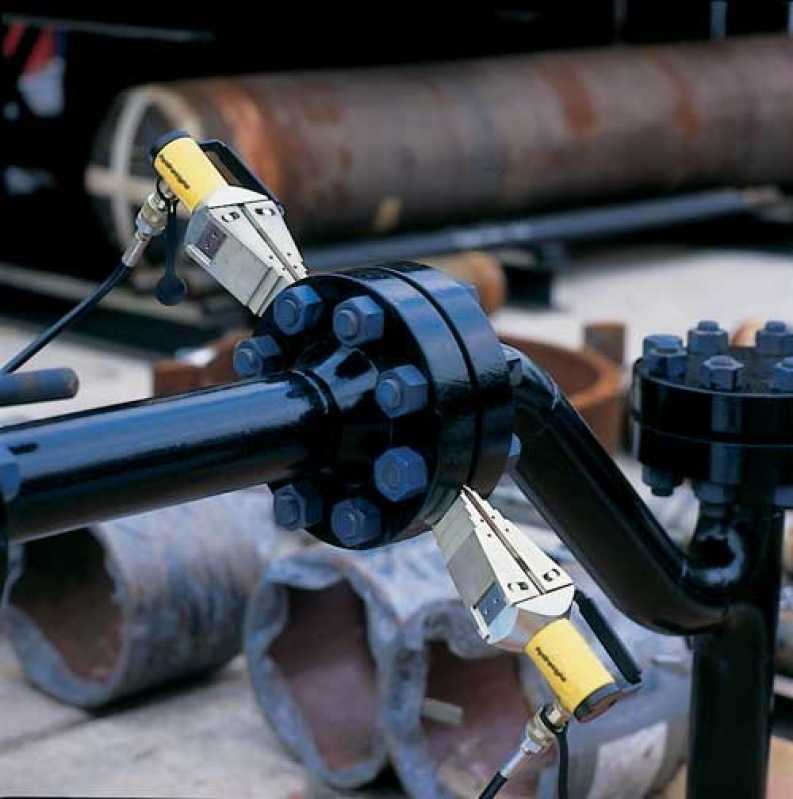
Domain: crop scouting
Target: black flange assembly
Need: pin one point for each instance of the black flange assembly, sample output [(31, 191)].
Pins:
[(372, 397), (722, 418), (411, 370), (717, 415)]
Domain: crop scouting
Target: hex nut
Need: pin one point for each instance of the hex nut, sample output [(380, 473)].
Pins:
[(296, 309), (357, 321), (782, 375), (257, 356), (665, 356), (707, 338), (297, 505), (722, 372), (514, 360), (400, 473), (401, 391), (355, 521), (776, 338)]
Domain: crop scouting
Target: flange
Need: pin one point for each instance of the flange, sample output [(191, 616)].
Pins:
[(720, 416), (420, 391)]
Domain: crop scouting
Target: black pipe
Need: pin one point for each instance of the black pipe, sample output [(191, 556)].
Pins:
[(584, 496), (732, 687), (40, 385), (588, 223), (86, 467)]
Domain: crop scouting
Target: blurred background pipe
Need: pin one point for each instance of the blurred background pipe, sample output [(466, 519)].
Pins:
[(116, 608), (375, 150)]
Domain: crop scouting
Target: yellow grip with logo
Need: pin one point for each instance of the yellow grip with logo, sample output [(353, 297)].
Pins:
[(190, 175), (567, 662)]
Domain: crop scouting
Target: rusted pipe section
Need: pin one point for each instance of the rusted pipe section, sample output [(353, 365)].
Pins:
[(318, 631), (358, 658), (113, 609), (376, 150)]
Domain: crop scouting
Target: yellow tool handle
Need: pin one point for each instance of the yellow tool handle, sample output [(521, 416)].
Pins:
[(575, 674), (187, 170)]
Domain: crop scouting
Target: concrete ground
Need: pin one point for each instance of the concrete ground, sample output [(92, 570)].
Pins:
[(207, 738)]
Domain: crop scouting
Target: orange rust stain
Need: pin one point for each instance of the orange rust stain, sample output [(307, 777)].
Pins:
[(574, 96), (244, 115), (686, 114), (321, 104)]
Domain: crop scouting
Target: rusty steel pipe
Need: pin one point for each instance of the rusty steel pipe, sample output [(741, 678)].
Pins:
[(371, 151), (119, 607)]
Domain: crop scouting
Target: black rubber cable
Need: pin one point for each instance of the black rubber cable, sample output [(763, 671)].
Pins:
[(494, 786), (564, 759), (41, 341)]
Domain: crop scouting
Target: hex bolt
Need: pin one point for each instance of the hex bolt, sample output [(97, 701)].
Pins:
[(515, 448), (707, 338), (722, 372), (713, 493), (297, 505), (297, 309), (665, 356), (358, 320), (662, 482), (400, 473), (401, 391), (257, 356), (355, 521), (514, 364), (782, 376), (776, 338)]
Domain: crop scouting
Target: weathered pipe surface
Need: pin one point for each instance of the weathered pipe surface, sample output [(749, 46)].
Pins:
[(371, 151), (630, 752), (317, 631), (357, 657), (110, 610)]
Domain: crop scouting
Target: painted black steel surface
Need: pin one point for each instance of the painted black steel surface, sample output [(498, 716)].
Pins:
[(85, 467), (585, 497), (732, 688)]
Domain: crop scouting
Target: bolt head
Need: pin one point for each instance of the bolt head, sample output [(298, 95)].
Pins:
[(358, 320), (722, 372), (297, 505), (661, 482), (401, 391), (400, 473), (776, 338), (707, 338), (515, 448), (782, 375), (514, 364), (297, 309), (355, 521), (664, 356), (661, 343), (257, 356)]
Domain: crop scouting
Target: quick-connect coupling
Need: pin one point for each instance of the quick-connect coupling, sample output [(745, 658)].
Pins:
[(150, 222)]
